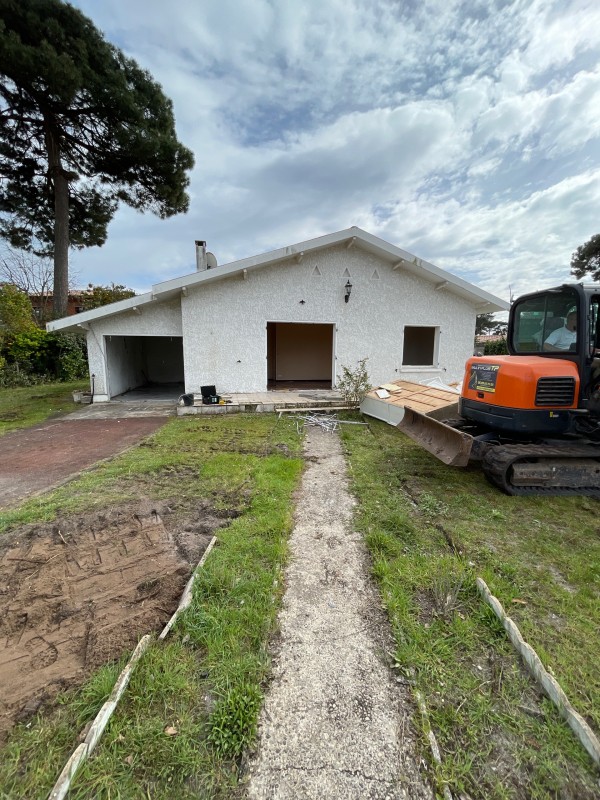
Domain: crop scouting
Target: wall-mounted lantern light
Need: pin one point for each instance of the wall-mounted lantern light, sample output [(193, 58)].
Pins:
[(348, 288)]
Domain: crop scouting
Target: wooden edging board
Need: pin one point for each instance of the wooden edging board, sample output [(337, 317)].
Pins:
[(549, 685), (81, 753)]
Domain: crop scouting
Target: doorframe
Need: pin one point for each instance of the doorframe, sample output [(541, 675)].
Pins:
[(304, 322)]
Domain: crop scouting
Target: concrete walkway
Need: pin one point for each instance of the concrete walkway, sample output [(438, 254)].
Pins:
[(335, 724), (115, 409)]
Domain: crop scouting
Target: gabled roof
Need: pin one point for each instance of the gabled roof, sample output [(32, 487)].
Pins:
[(400, 259)]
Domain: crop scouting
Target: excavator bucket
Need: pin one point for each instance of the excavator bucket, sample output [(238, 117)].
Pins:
[(451, 446)]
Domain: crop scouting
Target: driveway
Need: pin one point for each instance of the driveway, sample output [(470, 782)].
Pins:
[(38, 458)]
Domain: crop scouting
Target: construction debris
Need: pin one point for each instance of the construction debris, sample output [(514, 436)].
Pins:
[(388, 401), (328, 422)]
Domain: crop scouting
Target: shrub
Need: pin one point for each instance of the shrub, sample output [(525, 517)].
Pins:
[(71, 356), (497, 348), (354, 383), (12, 377), (30, 351), (35, 356)]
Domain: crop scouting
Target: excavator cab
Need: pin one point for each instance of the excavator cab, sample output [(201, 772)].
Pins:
[(532, 418), (544, 387), (561, 324)]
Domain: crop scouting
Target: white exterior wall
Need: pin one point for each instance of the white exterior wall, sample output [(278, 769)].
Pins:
[(155, 319), (225, 341)]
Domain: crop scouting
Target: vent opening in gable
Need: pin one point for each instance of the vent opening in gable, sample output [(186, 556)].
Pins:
[(375, 275), (316, 272), (346, 274)]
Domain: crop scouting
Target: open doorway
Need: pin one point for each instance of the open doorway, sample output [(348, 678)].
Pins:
[(150, 363), (299, 355)]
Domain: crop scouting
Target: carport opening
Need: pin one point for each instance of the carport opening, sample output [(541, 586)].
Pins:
[(299, 355), (147, 365)]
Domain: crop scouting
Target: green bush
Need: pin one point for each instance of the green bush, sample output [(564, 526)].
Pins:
[(354, 383), (34, 356), (30, 350), (12, 377), (497, 348), (71, 356)]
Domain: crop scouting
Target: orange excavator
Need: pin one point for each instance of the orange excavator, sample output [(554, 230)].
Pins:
[(531, 418)]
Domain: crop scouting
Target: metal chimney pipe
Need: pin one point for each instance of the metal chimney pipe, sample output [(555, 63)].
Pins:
[(201, 264)]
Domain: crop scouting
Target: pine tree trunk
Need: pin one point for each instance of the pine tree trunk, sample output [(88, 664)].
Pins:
[(61, 224)]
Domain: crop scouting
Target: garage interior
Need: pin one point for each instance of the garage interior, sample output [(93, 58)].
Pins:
[(151, 363), (299, 355)]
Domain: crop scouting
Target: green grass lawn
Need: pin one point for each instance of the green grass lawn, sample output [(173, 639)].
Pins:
[(206, 681), (29, 405), (432, 530)]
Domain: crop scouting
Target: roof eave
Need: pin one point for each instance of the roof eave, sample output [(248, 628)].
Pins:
[(83, 319), (402, 259)]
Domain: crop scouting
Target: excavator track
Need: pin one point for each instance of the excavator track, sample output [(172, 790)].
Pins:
[(544, 469)]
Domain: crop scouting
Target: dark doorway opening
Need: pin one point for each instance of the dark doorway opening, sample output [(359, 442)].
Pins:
[(145, 363), (299, 355)]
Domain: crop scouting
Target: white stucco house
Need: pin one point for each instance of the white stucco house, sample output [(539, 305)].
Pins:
[(293, 315)]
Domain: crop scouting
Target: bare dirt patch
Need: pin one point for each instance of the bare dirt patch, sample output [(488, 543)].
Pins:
[(77, 593)]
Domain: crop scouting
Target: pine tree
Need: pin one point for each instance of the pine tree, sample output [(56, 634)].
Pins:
[(82, 128), (586, 259)]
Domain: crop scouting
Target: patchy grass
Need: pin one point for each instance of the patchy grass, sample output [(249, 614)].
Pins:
[(185, 457), (431, 530), (30, 405), (192, 704)]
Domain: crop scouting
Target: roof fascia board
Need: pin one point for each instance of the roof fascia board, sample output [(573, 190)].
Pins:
[(355, 235), (79, 320), (409, 262), (418, 265), (253, 262)]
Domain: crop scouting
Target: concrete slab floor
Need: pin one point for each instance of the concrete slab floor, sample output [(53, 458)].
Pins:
[(335, 723), (152, 402), (121, 410)]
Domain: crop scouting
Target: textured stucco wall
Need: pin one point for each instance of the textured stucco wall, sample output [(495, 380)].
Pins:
[(156, 319), (225, 340), (125, 363)]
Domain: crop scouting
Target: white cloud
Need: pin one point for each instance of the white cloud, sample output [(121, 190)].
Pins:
[(454, 130)]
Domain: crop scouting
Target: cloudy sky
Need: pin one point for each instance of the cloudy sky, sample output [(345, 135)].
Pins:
[(465, 132)]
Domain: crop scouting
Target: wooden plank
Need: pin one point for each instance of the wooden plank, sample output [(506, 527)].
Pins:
[(391, 387), (323, 408)]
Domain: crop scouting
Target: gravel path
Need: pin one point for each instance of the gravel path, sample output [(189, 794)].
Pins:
[(335, 723)]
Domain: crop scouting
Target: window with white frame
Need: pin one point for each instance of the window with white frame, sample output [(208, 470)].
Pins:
[(420, 346)]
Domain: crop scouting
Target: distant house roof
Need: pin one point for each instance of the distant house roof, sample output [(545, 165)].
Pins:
[(400, 259), (495, 337)]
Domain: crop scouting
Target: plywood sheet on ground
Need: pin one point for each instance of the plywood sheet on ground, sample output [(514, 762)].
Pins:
[(429, 400)]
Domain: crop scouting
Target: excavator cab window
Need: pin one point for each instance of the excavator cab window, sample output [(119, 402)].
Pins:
[(594, 334), (546, 322)]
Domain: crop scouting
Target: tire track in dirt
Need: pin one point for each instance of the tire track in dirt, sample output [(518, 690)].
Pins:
[(77, 595)]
